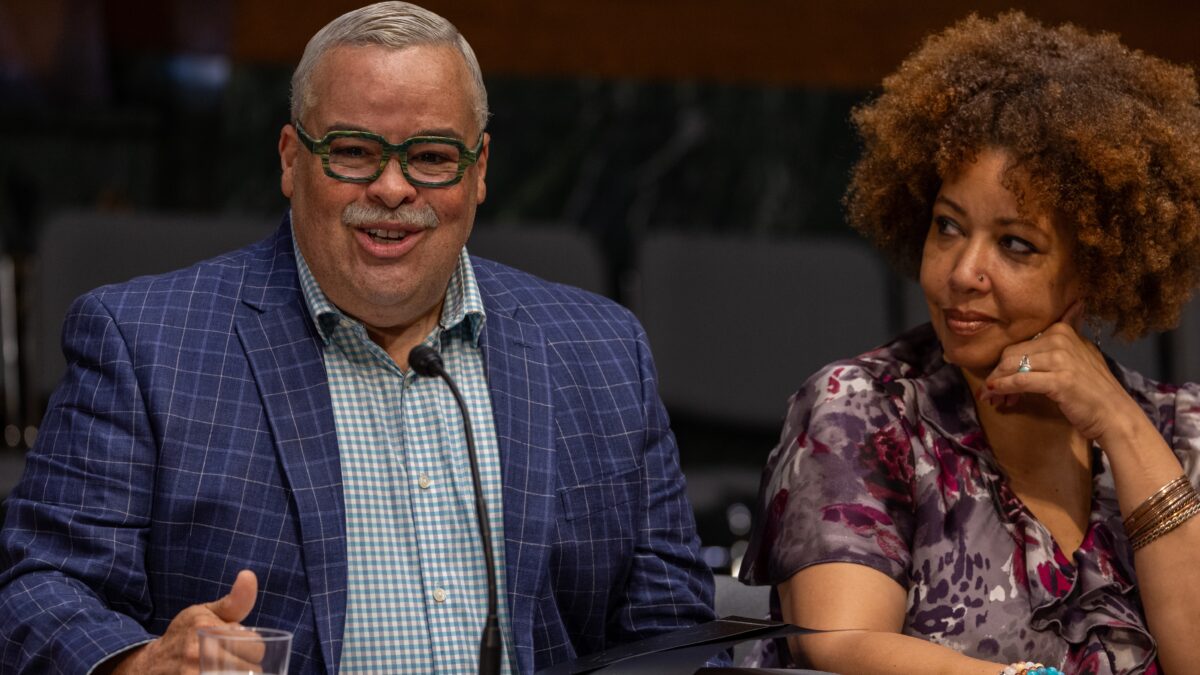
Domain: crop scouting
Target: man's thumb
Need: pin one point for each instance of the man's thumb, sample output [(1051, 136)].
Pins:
[(237, 604)]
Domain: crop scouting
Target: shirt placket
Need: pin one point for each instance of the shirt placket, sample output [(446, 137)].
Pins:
[(437, 518)]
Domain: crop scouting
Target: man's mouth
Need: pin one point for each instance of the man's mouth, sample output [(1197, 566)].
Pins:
[(387, 235)]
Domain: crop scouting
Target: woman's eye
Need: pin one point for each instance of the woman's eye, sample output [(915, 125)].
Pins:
[(945, 225), (1017, 245)]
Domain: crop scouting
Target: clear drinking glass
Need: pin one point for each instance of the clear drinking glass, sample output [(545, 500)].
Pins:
[(233, 650)]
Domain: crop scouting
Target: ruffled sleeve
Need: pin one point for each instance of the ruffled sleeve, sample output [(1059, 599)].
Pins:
[(839, 486)]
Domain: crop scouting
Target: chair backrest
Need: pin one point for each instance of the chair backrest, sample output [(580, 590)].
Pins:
[(733, 598), (1185, 342), (560, 253), (1143, 355), (738, 323), (10, 366), (78, 251)]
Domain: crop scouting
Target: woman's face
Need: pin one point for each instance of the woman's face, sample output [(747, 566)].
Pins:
[(992, 276)]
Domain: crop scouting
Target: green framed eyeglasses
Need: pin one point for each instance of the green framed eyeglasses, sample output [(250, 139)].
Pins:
[(361, 156)]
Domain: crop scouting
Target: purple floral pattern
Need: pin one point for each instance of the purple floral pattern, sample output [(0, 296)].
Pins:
[(883, 463)]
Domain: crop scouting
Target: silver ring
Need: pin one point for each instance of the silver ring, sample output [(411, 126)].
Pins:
[(1036, 336), (1023, 366)]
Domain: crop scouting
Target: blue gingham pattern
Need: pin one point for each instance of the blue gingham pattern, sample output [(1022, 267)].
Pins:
[(417, 594), (193, 435)]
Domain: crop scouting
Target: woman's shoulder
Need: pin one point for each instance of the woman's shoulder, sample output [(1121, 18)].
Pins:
[(881, 372), (880, 391), (840, 484)]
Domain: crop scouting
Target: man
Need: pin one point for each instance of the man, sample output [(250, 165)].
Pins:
[(243, 441)]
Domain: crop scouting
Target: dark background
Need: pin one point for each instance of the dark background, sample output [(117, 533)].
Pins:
[(613, 121)]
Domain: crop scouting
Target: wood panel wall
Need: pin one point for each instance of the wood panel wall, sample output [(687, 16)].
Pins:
[(835, 43)]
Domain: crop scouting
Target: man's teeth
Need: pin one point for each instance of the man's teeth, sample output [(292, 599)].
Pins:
[(390, 235)]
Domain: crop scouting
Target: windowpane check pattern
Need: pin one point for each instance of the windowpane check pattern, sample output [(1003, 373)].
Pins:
[(417, 596)]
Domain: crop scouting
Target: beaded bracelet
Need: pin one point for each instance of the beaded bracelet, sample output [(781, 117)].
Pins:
[(1029, 668)]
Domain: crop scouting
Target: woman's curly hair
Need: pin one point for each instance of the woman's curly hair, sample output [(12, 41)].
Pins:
[(1106, 138)]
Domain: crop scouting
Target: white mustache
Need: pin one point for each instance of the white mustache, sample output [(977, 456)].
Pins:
[(405, 214)]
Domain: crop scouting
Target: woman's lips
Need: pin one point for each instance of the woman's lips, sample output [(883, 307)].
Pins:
[(967, 323)]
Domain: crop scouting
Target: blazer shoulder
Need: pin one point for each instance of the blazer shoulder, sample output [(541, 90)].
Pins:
[(250, 274), (547, 302)]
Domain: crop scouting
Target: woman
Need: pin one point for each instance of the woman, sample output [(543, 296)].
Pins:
[(987, 491)]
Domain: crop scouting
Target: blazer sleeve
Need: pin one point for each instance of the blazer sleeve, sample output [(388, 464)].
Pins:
[(72, 580), (669, 586)]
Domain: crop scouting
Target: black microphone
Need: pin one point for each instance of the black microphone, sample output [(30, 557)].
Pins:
[(428, 363)]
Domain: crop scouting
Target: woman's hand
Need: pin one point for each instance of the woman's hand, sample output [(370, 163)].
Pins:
[(1071, 372)]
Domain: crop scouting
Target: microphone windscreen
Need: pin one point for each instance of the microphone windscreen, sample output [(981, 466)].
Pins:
[(425, 360)]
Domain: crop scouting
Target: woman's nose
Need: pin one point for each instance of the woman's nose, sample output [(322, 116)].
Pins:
[(970, 271)]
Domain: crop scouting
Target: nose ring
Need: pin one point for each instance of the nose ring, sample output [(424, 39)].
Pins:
[(981, 278)]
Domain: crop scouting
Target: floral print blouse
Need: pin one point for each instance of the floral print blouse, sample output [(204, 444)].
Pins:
[(882, 462)]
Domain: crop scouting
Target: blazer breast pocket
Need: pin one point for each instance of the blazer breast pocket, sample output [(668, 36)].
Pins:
[(601, 494)]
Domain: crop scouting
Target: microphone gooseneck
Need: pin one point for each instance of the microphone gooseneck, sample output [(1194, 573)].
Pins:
[(426, 362)]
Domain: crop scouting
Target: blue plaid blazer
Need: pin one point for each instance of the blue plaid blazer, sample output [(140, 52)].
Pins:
[(193, 436)]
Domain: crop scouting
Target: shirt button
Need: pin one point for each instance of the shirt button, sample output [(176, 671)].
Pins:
[(424, 482), (439, 595)]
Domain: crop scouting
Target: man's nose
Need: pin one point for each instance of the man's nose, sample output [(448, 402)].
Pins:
[(392, 188)]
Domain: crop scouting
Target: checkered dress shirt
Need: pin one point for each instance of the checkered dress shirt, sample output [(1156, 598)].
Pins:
[(417, 596)]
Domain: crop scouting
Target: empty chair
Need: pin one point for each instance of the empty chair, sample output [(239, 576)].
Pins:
[(1185, 344), (733, 598), (556, 253), (738, 323), (12, 459), (1143, 355), (10, 374), (914, 310), (79, 251)]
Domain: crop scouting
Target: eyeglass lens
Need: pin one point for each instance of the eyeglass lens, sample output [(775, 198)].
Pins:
[(427, 161)]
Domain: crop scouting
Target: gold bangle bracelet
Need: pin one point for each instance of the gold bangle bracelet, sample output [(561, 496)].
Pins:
[(1177, 499), (1157, 502), (1168, 524), (1139, 514)]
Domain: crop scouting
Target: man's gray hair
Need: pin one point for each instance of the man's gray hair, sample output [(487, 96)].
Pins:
[(388, 24)]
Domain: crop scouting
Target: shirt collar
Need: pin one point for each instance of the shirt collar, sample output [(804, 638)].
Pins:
[(462, 308), (464, 305)]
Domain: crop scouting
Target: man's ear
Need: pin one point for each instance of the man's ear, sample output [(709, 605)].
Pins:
[(481, 170), (288, 145)]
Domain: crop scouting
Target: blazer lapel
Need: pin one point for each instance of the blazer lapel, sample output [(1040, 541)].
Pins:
[(284, 353), (515, 355)]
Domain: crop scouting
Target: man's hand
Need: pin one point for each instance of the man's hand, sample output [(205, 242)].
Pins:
[(178, 650)]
